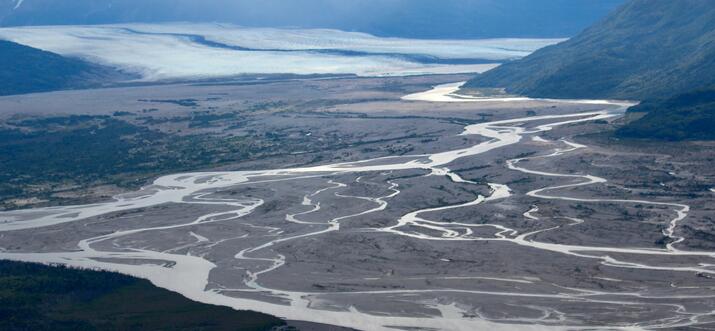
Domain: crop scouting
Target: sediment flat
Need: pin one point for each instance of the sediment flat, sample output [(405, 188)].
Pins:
[(435, 211)]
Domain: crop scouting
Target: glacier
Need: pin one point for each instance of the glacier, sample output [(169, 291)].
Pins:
[(184, 51)]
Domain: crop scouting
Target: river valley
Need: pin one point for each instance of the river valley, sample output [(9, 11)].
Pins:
[(499, 216)]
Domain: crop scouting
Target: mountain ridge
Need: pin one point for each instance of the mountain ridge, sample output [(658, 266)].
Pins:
[(28, 70), (645, 49), (460, 19), (659, 51)]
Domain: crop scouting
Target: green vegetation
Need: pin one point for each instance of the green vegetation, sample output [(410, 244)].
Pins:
[(26, 70), (35, 297), (689, 116), (83, 159), (39, 157), (646, 49)]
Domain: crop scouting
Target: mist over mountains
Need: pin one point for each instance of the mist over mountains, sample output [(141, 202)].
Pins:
[(395, 18)]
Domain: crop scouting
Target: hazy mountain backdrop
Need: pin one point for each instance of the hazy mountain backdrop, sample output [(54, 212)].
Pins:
[(399, 18)]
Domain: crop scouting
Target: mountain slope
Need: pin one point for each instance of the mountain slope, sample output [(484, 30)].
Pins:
[(645, 49), (395, 18), (690, 116), (26, 70)]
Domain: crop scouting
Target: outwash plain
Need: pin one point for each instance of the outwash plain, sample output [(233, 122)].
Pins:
[(367, 203)]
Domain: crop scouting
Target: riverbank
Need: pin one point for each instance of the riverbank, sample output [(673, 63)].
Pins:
[(38, 297)]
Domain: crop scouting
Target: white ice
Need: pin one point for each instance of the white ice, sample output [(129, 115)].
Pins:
[(163, 55), (321, 39)]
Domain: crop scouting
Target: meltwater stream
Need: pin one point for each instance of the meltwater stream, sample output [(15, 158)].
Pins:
[(190, 275)]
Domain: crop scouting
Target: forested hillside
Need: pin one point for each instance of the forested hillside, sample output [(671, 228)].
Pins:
[(38, 298), (646, 49), (690, 116), (661, 51)]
